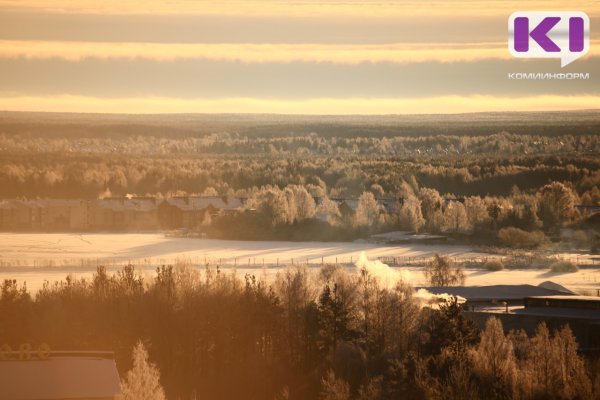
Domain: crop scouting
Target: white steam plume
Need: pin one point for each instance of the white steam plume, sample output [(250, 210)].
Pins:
[(431, 300), (385, 275), (388, 277)]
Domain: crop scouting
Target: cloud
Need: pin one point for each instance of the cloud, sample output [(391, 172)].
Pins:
[(400, 53), (255, 53), (317, 106)]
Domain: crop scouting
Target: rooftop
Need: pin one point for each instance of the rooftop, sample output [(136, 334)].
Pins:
[(199, 203), (495, 292), (68, 377)]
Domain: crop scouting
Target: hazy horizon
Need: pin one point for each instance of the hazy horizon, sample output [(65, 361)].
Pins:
[(300, 58), (293, 116)]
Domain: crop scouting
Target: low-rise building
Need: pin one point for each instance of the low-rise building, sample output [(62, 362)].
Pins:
[(14, 215), (524, 307), (190, 211), (124, 213), (58, 214), (71, 375)]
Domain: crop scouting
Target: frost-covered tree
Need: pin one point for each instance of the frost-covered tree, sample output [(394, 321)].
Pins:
[(430, 201), (291, 209), (524, 213), (377, 190), (293, 203), (556, 205), (431, 208), (367, 210), (477, 213), (455, 218), (143, 380), (494, 361), (274, 204), (441, 272), (210, 192), (305, 204), (410, 216), (553, 367), (329, 209)]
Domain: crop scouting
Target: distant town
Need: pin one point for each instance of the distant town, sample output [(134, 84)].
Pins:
[(138, 213)]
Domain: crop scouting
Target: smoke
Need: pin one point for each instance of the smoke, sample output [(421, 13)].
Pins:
[(105, 194), (389, 277), (427, 299), (383, 273)]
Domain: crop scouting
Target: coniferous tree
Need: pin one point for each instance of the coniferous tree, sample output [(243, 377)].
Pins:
[(143, 380)]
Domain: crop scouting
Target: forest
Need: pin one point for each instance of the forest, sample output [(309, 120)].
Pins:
[(327, 334), (82, 155), (467, 175)]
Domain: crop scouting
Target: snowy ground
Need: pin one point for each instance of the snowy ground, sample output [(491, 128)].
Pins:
[(79, 250), (38, 257)]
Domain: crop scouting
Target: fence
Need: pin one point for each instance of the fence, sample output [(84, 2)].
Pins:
[(510, 261)]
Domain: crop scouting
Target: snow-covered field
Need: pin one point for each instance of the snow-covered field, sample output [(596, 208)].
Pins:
[(81, 250), (38, 257)]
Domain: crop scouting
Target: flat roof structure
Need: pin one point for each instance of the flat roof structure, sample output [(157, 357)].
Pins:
[(590, 304), (495, 293), (59, 377)]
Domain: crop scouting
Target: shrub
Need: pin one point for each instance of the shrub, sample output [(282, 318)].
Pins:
[(494, 265), (563, 266), (518, 238)]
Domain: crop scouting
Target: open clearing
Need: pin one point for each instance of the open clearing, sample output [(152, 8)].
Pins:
[(37, 257), (71, 249)]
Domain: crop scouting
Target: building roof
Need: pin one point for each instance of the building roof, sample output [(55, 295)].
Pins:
[(45, 203), (388, 203), (40, 203), (494, 292), (350, 203), (555, 286), (128, 204), (59, 378), (200, 203), (406, 236)]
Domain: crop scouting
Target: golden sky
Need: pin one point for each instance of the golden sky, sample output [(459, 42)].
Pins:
[(335, 106), (360, 8), (291, 57)]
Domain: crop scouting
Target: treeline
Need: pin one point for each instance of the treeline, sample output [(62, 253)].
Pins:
[(330, 334), (82, 175), (519, 220), (73, 125), (303, 144)]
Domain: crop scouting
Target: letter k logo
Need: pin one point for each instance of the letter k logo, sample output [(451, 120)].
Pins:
[(539, 34)]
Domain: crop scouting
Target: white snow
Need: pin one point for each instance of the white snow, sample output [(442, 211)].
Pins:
[(72, 249), (38, 257)]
